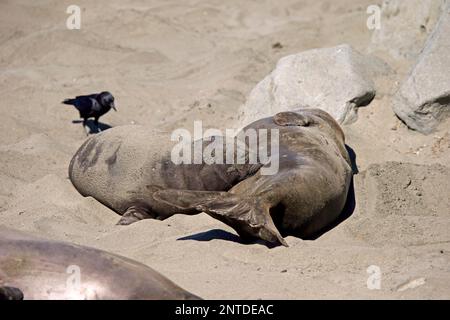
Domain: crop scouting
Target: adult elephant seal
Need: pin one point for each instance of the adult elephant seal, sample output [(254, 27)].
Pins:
[(126, 171), (33, 268)]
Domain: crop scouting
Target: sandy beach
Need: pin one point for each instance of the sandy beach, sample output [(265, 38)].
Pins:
[(169, 63)]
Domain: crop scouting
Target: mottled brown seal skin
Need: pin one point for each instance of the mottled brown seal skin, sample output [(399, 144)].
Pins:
[(124, 166), (307, 194), (129, 169), (34, 268)]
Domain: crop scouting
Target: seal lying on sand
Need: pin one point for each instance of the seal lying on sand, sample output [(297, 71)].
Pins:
[(127, 171), (124, 166), (33, 268)]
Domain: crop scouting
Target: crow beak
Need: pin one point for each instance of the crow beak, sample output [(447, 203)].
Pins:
[(113, 106)]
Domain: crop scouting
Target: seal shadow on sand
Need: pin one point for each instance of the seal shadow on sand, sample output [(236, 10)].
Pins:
[(219, 234), (92, 127), (350, 204)]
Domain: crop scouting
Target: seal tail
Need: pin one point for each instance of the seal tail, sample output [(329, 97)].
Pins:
[(249, 216)]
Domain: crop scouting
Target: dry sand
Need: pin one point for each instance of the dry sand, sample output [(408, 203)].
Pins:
[(168, 64)]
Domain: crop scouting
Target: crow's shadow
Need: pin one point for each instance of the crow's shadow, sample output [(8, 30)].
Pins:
[(92, 127)]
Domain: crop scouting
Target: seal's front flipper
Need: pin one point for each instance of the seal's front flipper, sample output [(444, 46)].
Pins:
[(186, 201), (134, 214), (250, 217), (10, 293)]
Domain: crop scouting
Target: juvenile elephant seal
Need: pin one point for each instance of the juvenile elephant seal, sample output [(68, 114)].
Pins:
[(33, 268), (127, 171)]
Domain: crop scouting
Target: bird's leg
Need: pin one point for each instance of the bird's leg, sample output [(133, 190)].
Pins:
[(96, 124), (85, 126)]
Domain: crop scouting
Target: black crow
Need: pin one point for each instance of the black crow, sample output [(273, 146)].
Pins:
[(92, 106)]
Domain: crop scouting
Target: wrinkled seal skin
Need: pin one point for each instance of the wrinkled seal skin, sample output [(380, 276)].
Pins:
[(33, 268), (124, 166), (306, 195)]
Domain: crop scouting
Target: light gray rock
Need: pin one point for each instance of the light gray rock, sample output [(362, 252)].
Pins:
[(423, 100), (404, 27), (337, 80)]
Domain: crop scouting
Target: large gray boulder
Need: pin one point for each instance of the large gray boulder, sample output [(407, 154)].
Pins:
[(405, 26), (337, 80), (423, 100)]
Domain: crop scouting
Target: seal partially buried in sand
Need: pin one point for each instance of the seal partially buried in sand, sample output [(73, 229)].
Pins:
[(129, 169), (34, 268)]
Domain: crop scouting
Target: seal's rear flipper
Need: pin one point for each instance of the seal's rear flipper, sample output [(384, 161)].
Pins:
[(10, 293), (250, 217)]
